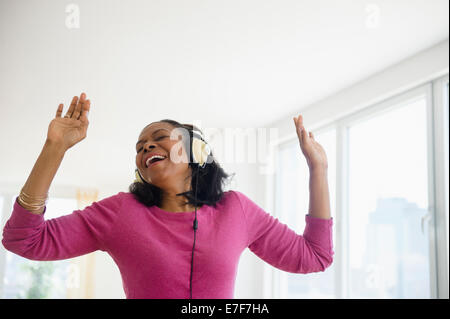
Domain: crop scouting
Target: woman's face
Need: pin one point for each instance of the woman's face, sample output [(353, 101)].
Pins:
[(155, 139)]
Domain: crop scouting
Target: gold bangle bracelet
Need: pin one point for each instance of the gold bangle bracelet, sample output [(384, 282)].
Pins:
[(34, 197), (30, 206), (32, 203)]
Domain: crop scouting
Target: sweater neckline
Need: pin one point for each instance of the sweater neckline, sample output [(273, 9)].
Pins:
[(177, 215)]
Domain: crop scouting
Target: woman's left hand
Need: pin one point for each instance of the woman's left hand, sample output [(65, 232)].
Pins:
[(313, 151)]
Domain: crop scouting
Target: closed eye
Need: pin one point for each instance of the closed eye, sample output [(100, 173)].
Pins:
[(159, 138)]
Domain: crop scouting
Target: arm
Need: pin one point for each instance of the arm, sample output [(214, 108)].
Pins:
[(26, 233), (275, 242), (280, 246), (79, 233), (62, 134), (316, 158), (319, 196), (43, 172)]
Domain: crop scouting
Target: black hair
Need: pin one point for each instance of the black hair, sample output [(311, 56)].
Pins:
[(211, 179)]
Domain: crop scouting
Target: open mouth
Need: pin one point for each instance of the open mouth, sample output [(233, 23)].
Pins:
[(154, 159)]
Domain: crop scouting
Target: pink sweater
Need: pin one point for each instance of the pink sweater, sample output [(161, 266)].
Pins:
[(153, 248)]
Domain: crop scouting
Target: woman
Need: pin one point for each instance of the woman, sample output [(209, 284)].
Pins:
[(149, 231)]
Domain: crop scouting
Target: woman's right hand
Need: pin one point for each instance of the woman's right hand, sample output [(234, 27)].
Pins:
[(69, 130)]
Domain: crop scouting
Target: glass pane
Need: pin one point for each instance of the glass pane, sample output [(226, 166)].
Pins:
[(388, 196), (26, 278), (292, 204)]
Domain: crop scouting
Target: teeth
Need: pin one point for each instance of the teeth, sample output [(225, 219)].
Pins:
[(150, 158)]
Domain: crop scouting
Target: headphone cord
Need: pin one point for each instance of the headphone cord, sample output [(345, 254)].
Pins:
[(195, 230)]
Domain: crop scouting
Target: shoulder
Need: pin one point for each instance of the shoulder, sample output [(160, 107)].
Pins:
[(228, 195), (245, 203), (237, 196), (115, 199), (130, 201), (124, 199), (111, 203), (233, 197), (124, 196)]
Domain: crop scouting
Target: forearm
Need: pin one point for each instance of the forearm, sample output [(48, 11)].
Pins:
[(319, 196), (43, 172)]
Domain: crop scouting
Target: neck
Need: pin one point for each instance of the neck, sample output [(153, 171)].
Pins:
[(175, 204), (171, 202)]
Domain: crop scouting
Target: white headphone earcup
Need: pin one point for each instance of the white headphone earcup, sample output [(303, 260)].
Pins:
[(198, 151)]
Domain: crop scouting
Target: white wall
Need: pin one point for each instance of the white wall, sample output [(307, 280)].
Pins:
[(419, 68), (108, 282), (249, 280)]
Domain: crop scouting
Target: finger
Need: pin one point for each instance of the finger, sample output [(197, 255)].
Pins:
[(311, 135), (85, 112), (300, 122), (304, 133), (76, 113), (297, 129), (71, 107), (59, 110)]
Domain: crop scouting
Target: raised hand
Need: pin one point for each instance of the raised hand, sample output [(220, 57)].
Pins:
[(314, 153), (69, 130)]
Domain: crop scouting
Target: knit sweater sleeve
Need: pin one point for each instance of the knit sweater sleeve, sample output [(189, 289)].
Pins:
[(81, 232), (281, 247)]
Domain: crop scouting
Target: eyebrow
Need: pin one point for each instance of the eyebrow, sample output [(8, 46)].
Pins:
[(142, 140)]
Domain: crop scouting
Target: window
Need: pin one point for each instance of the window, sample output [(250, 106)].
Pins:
[(292, 204), (388, 198), (24, 278)]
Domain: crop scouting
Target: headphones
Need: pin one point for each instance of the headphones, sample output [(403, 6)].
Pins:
[(199, 153)]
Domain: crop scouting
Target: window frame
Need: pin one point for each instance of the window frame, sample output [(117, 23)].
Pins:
[(439, 116)]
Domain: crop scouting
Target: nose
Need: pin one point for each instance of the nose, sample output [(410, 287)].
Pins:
[(149, 147)]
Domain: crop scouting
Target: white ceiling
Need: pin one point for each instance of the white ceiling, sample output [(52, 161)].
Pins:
[(226, 63), (234, 63)]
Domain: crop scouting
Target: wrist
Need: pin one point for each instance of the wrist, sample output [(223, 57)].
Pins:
[(318, 169), (55, 147)]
